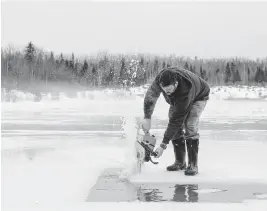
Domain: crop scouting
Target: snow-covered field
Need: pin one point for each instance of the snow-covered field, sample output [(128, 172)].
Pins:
[(54, 150), (219, 92)]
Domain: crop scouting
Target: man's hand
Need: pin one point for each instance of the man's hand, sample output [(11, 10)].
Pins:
[(160, 150), (146, 125)]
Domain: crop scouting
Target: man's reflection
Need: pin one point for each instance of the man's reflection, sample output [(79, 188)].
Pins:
[(185, 193), (182, 193)]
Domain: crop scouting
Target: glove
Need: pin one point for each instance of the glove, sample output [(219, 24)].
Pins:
[(146, 125), (160, 150)]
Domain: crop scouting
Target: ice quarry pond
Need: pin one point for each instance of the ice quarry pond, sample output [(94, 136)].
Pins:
[(77, 154)]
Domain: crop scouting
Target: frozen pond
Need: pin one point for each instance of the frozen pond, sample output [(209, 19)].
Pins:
[(62, 151)]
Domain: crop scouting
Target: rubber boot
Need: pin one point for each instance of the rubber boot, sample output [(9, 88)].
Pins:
[(192, 152), (179, 152)]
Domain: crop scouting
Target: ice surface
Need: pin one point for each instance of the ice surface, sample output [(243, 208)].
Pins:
[(53, 151)]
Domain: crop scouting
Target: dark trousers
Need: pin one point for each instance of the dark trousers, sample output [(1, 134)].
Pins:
[(191, 123)]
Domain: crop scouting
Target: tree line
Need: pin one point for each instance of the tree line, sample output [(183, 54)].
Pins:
[(109, 70)]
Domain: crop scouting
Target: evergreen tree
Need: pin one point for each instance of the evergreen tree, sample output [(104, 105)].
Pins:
[(259, 76), (235, 73), (72, 57), (76, 67), (140, 75), (40, 62), (61, 59), (186, 66), (156, 67), (237, 76), (103, 67), (111, 74), (227, 73), (94, 73), (84, 68), (248, 72), (142, 62), (123, 73), (51, 58), (67, 63), (192, 69), (202, 73), (163, 64), (30, 53), (71, 62)]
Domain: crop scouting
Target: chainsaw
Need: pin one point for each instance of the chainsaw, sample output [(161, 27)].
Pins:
[(145, 145)]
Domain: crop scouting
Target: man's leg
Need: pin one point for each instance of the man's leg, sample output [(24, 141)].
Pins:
[(192, 136), (179, 150), (179, 153)]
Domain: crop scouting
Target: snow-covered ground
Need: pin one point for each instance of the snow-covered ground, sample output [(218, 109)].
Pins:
[(218, 92), (54, 150)]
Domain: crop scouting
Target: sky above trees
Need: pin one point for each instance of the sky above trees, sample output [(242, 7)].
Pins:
[(202, 29)]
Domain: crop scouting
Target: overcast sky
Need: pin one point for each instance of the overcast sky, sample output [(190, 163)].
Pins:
[(202, 29)]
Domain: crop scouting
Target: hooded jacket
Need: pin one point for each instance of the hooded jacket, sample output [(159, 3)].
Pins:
[(191, 88)]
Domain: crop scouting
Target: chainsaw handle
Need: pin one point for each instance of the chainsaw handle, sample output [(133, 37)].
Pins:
[(153, 161), (154, 154)]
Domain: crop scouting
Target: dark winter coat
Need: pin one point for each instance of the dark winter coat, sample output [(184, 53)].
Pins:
[(191, 88)]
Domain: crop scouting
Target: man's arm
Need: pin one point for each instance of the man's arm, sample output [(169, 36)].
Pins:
[(151, 98)]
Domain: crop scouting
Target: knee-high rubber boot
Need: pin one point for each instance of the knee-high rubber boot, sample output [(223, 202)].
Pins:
[(192, 152), (179, 153)]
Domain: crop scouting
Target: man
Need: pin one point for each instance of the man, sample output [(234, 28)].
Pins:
[(187, 95)]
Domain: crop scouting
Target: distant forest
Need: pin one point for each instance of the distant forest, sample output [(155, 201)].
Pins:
[(108, 70)]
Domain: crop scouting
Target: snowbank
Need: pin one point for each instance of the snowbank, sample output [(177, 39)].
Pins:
[(239, 92), (219, 93)]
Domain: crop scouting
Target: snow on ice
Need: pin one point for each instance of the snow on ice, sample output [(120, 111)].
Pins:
[(55, 148)]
